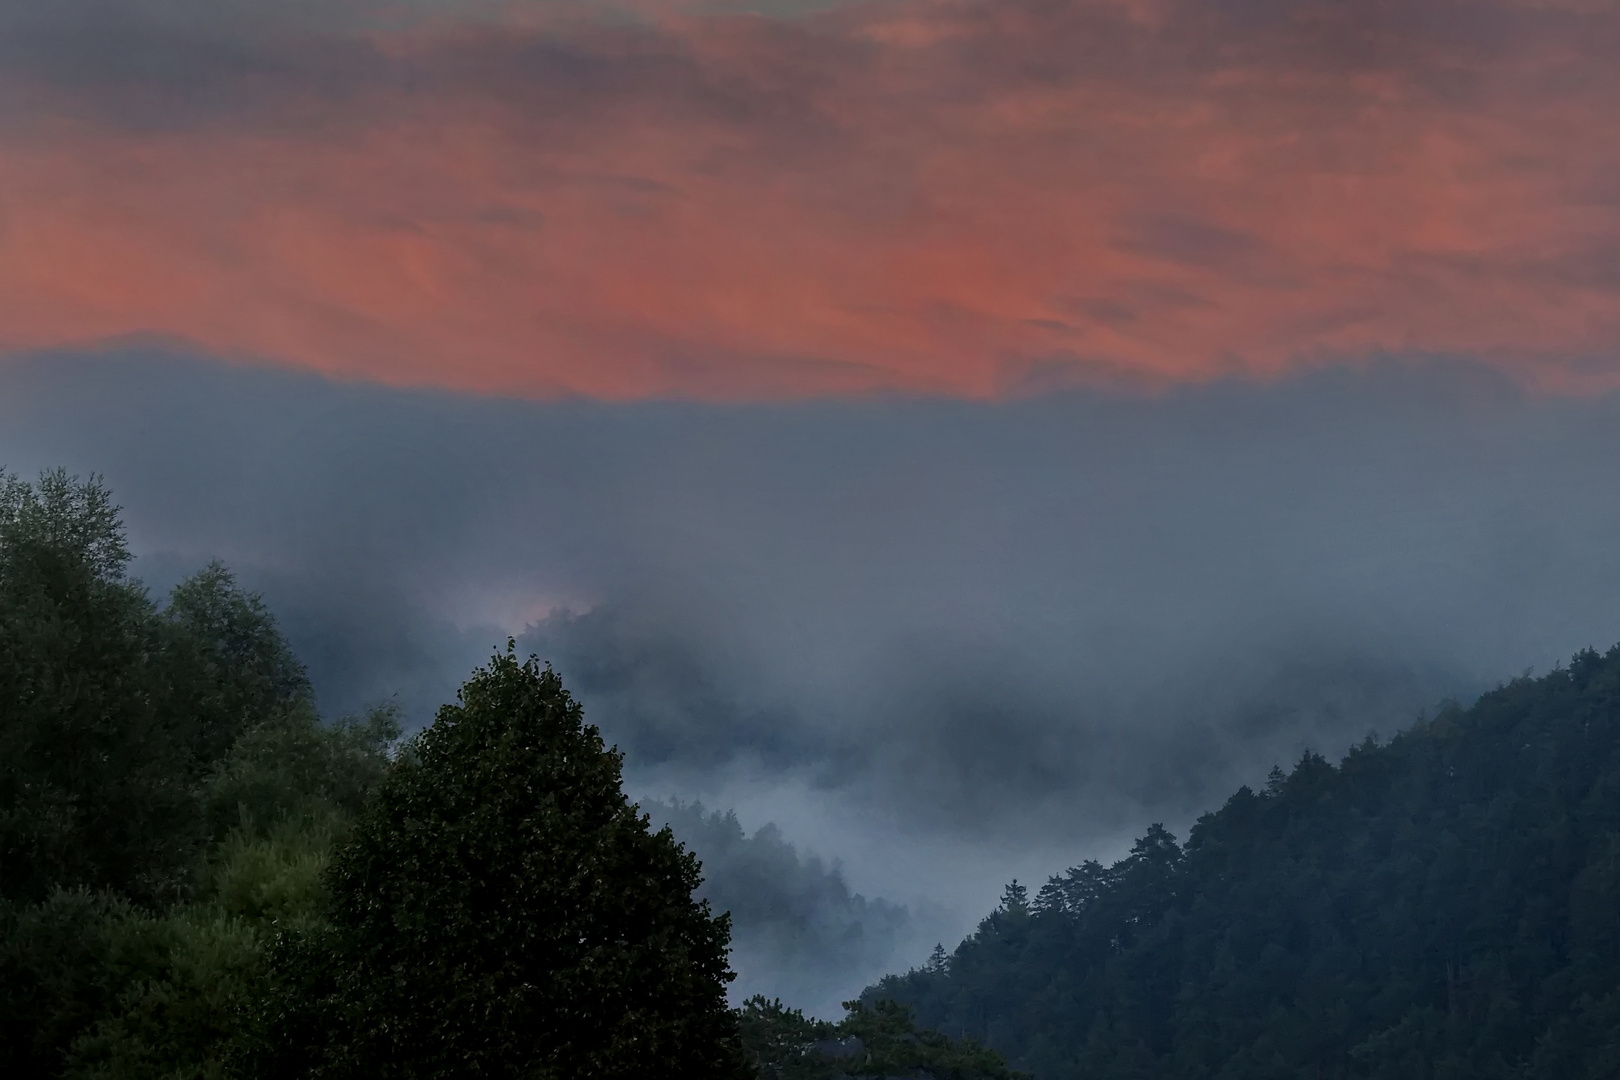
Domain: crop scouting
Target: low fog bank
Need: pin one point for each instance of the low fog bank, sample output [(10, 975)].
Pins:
[(798, 932), (947, 643)]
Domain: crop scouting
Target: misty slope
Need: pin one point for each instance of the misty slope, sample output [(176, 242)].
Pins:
[(798, 932), (1447, 905)]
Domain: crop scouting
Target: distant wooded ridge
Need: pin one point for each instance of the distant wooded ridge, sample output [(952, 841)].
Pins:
[(1446, 905), (200, 877)]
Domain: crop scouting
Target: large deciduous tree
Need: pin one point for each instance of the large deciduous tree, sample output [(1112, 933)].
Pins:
[(89, 791), (502, 910), (111, 711)]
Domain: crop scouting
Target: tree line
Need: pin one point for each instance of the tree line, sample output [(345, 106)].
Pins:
[(1445, 905), (201, 878)]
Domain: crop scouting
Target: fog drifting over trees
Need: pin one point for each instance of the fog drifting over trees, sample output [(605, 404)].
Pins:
[(945, 643)]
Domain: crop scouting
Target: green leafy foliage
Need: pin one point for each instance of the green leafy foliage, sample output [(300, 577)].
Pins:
[(95, 776), (185, 981), (113, 712), (93, 986), (61, 968), (881, 1040), (188, 977), (502, 910), (229, 667), (1447, 905), (168, 798)]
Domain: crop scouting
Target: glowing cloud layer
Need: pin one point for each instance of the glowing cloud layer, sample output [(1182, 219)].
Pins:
[(970, 198)]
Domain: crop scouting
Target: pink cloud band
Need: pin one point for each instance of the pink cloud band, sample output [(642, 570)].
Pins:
[(968, 198)]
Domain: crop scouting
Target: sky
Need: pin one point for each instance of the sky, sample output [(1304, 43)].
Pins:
[(950, 197), (956, 433)]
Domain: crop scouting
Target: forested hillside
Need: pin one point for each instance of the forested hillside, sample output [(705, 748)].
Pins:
[(200, 878), (1446, 905), (169, 799), (797, 931)]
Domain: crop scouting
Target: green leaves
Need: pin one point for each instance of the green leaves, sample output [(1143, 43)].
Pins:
[(112, 713), (92, 986), (228, 667), (168, 798), (185, 893), (881, 1040), (61, 520), (95, 772), (502, 910)]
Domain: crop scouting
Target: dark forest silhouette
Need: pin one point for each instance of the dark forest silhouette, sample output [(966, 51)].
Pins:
[(1444, 905), (200, 877)]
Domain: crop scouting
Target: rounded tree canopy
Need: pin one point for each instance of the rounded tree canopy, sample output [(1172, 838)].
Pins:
[(503, 910)]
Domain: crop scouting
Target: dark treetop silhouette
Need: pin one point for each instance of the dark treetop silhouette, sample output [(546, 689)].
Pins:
[(1447, 905)]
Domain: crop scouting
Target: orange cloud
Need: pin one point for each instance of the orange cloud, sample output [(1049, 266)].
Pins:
[(970, 198)]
